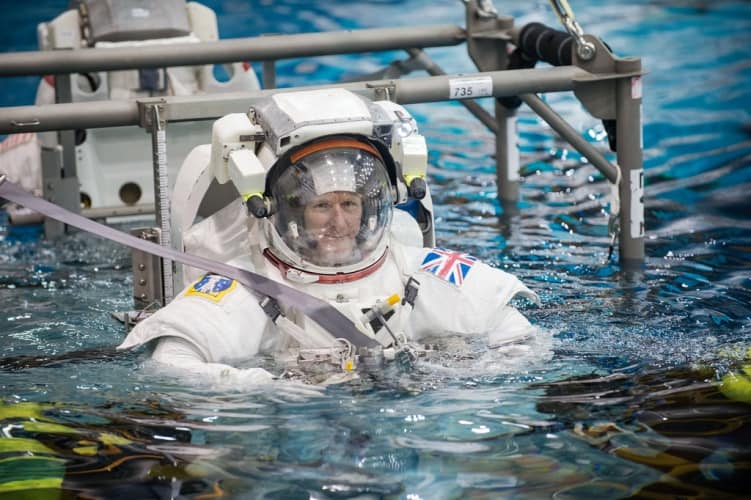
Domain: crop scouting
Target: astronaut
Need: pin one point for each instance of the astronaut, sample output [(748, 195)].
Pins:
[(325, 175)]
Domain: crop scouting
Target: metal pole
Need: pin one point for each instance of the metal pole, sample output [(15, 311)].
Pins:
[(66, 138), (507, 157), (489, 53), (68, 116), (629, 143), (161, 195), (59, 180), (262, 48)]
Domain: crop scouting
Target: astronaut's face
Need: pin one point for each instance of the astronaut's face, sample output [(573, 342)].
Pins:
[(332, 220), (334, 203)]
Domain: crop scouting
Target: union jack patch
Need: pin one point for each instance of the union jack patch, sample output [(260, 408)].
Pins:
[(212, 287), (448, 265)]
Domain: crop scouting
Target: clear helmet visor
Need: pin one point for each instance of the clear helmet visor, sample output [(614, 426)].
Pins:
[(334, 204)]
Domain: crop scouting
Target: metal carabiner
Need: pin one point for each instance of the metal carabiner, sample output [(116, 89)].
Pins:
[(584, 49), (347, 360), (486, 9)]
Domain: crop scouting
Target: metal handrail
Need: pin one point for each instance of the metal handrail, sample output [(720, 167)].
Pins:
[(83, 115), (262, 48)]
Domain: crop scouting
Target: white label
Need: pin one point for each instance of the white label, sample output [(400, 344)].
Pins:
[(636, 185), (139, 12), (470, 88), (512, 148), (636, 87), (65, 39)]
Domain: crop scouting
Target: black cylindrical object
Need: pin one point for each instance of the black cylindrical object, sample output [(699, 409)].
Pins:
[(540, 42), (257, 206)]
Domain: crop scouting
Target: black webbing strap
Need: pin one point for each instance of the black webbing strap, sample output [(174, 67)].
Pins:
[(319, 311)]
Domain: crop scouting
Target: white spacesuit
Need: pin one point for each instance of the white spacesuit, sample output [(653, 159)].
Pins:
[(323, 183)]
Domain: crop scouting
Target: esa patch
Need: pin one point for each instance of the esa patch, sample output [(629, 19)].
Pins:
[(211, 287), (448, 265)]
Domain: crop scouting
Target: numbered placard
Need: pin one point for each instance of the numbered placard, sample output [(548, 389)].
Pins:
[(470, 87)]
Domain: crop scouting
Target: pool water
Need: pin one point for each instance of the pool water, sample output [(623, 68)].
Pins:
[(634, 387)]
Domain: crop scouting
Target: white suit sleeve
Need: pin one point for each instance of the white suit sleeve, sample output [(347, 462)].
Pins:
[(475, 302), (178, 357), (183, 358), (223, 328), (509, 325)]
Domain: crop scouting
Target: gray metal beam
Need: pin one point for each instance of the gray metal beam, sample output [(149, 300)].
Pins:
[(68, 116), (507, 158), (210, 107), (262, 48), (59, 180)]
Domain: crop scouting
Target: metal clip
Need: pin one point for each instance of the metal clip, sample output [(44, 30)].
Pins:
[(271, 308), (486, 9), (382, 91), (347, 359), (584, 49), (410, 291)]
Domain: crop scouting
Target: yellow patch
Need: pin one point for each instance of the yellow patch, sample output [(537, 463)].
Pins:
[(212, 287)]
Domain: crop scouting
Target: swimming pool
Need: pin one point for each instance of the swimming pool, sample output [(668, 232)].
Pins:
[(620, 396)]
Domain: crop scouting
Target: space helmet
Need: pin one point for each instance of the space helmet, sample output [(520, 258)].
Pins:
[(323, 177), (333, 202)]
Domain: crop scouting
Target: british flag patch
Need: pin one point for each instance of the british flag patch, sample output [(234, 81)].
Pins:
[(448, 265)]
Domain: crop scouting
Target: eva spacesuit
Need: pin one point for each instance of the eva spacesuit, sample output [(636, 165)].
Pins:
[(329, 175)]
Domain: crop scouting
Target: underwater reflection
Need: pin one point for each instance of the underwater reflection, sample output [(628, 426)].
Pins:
[(460, 426), (695, 431), (55, 451)]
